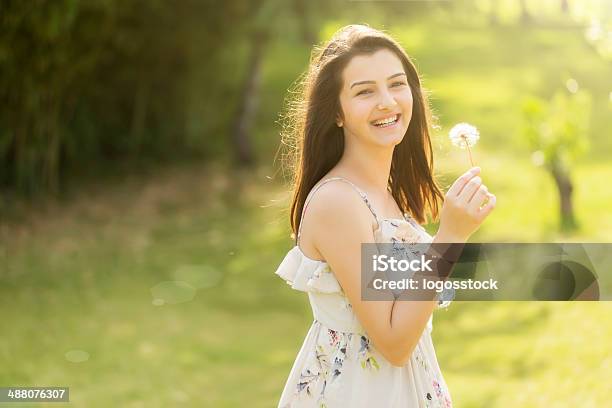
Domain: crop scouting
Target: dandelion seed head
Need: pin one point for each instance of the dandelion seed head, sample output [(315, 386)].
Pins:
[(464, 135)]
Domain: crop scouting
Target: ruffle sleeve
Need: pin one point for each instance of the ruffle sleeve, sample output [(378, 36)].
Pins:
[(307, 275)]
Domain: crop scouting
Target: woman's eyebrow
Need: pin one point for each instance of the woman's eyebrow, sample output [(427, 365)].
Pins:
[(373, 82)]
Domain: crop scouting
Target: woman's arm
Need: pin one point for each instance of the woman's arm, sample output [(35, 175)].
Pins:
[(340, 223)]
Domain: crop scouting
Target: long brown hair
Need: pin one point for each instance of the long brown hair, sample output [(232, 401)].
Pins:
[(319, 143)]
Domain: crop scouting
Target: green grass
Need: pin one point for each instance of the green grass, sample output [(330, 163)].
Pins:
[(81, 280), (527, 199)]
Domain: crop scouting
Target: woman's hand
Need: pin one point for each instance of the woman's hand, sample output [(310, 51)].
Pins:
[(461, 213)]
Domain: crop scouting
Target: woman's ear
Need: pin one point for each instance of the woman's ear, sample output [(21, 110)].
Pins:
[(339, 122)]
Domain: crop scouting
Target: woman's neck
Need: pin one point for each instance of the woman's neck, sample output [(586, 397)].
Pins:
[(371, 166)]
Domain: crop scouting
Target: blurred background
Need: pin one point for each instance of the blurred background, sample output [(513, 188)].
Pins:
[(143, 202)]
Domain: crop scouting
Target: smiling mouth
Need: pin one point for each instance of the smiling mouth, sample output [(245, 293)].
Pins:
[(387, 122)]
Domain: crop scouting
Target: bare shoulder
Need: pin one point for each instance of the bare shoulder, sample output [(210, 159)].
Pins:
[(338, 199), (336, 211)]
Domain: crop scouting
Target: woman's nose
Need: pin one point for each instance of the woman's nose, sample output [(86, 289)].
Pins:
[(387, 101)]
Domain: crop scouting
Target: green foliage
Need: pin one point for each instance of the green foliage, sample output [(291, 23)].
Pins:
[(87, 83), (103, 80), (557, 130), (598, 16)]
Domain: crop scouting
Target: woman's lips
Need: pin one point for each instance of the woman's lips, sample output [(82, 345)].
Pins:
[(385, 123)]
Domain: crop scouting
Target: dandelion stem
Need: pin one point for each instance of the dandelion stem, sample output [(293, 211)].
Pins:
[(470, 154), (468, 149)]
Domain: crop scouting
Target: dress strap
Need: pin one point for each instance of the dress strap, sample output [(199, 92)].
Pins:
[(321, 183)]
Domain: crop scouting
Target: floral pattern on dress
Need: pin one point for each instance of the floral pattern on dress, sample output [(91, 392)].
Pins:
[(310, 377), (329, 360), (443, 400), (365, 354), (421, 361)]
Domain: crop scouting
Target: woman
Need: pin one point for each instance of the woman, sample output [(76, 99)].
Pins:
[(364, 174)]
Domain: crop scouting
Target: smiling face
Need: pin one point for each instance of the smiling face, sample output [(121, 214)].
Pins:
[(375, 99)]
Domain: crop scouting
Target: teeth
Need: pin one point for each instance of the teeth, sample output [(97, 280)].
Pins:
[(387, 121)]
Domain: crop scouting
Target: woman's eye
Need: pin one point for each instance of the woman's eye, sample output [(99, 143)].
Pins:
[(398, 83), (363, 92)]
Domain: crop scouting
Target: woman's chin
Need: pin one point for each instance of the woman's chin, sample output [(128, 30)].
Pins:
[(389, 140), (390, 136)]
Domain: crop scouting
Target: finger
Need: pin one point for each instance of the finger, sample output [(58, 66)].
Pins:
[(476, 201), (488, 207), (469, 190), (460, 183)]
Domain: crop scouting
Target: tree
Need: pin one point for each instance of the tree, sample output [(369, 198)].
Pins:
[(525, 16), (88, 83), (266, 19), (557, 131), (564, 7)]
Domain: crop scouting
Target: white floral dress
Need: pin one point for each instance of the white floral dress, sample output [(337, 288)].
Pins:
[(337, 365)]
